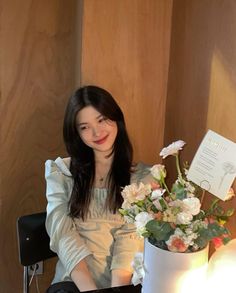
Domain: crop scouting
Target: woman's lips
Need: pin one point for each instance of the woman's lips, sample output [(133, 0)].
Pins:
[(101, 141)]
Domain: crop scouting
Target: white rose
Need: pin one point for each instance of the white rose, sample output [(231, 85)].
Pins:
[(184, 218), (157, 193), (158, 171), (192, 205), (141, 219), (172, 149)]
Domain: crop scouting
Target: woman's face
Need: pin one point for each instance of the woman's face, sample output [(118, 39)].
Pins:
[(95, 130)]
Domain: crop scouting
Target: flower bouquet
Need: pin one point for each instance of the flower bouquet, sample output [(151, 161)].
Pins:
[(171, 218)]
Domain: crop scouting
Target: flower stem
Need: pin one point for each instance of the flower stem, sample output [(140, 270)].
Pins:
[(166, 187), (178, 169)]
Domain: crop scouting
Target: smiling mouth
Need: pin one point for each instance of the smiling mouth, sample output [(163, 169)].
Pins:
[(101, 141)]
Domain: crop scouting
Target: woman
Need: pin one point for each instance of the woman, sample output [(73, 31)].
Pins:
[(94, 245)]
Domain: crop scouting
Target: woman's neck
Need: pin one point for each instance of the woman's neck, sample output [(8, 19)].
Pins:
[(102, 168), (103, 158)]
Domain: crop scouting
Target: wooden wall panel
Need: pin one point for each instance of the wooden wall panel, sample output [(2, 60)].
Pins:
[(202, 75), (37, 75), (125, 49)]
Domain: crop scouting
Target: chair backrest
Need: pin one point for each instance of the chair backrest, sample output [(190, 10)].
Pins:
[(33, 240)]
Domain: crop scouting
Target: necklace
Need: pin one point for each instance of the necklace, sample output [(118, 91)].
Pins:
[(101, 174), (101, 181)]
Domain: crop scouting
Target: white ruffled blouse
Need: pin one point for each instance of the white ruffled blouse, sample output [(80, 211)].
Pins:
[(107, 241)]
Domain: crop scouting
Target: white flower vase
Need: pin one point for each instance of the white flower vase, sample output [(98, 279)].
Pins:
[(171, 272)]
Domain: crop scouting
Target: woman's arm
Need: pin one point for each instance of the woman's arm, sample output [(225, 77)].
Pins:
[(82, 277), (64, 237), (126, 244), (120, 278)]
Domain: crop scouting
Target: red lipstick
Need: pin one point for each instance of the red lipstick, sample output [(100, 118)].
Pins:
[(101, 141)]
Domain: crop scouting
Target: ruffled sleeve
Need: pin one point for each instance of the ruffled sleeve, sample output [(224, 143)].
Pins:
[(126, 240), (64, 238)]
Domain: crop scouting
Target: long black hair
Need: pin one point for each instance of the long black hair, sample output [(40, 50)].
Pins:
[(82, 157)]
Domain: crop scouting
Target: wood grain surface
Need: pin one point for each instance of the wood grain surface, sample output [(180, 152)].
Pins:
[(202, 76), (171, 70), (37, 75), (125, 49)]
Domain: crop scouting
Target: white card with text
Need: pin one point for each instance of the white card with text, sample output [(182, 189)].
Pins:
[(214, 165)]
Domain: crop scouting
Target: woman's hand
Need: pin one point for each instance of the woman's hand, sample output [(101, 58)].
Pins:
[(120, 278), (82, 277)]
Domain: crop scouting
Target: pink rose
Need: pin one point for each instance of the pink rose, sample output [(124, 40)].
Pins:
[(176, 244)]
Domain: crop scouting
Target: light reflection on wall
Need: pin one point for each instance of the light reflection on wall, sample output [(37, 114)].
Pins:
[(222, 97), (222, 269)]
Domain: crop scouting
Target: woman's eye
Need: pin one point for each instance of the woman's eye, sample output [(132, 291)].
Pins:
[(82, 128)]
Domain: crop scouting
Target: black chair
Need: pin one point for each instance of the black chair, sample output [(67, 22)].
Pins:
[(33, 243)]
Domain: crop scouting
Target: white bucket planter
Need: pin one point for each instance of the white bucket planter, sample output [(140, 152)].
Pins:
[(171, 272)]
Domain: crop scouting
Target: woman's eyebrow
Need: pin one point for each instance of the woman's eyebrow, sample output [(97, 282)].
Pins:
[(81, 123), (99, 116)]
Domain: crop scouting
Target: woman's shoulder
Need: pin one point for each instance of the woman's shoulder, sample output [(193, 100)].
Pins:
[(60, 165), (141, 173)]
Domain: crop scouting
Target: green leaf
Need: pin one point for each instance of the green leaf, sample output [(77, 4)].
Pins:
[(154, 209), (207, 234), (140, 204), (163, 203), (201, 241), (178, 190), (226, 240), (123, 212), (146, 234), (159, 230), (216, 230)]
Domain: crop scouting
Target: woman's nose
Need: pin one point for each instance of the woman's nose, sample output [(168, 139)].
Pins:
[(96, 130)]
